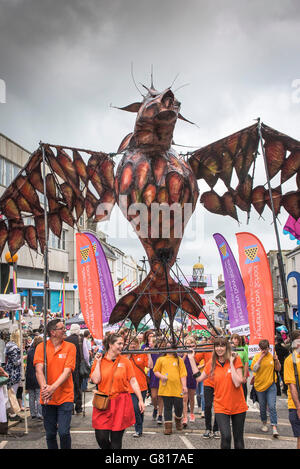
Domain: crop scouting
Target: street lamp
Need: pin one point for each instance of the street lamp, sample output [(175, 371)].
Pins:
[(12, 262)]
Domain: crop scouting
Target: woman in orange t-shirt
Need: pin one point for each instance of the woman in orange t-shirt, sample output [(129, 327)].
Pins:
[(226, 370), (114, 374)]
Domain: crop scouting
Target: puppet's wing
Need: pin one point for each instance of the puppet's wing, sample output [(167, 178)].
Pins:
[(238, 152), (76, 181)]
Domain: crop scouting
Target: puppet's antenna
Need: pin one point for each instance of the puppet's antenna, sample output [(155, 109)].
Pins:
[(182, 86), (152, 86), (174, 80), (135, 81)]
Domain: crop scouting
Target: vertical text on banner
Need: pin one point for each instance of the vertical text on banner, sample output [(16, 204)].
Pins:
[(89, 285), (257, 279)]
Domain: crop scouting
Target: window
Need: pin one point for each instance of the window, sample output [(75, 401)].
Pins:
[(63, 240), (16, 170), (58, 243), (8, 171)]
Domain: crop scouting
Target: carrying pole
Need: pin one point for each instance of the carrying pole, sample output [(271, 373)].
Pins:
[(46, 263), (279, 253)]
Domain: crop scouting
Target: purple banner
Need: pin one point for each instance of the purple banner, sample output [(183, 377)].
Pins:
[(234, 288), (108, 299)]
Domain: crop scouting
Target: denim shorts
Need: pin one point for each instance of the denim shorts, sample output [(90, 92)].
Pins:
[(295, 422)]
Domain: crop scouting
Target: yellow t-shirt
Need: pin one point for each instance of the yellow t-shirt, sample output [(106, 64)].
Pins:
[(175, 369), (266, 375), (289, 376)]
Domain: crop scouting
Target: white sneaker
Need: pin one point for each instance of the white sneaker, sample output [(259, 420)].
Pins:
[(264, 428), (275, 432)]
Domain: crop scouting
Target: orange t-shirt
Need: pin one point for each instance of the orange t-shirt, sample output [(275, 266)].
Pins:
[(206, 356), (57, 361), (139, 363), (118, 372), (227, 398)]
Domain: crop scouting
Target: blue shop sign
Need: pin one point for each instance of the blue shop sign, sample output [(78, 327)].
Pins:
[(37, 293)]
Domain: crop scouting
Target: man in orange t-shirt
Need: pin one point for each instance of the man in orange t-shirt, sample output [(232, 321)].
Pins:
[(57, 392), (208, 390), (139, 363)]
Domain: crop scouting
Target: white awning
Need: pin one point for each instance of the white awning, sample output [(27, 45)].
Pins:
[(10, 302)]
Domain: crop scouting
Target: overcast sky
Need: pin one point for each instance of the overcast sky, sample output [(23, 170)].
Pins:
[(65, 62)]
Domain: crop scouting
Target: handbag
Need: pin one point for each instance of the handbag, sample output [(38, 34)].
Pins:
[(84, 368), (101, 400), (3, 380)]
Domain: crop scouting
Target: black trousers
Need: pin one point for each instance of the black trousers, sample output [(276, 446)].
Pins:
[(108, 439), (208, 403), (77, 391), (171, 402), (238, 422)]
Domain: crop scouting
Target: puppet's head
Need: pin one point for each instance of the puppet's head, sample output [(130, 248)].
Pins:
[(156, 118)]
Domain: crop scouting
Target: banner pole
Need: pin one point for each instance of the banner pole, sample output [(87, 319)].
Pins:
[(46, 264), (279, 254)]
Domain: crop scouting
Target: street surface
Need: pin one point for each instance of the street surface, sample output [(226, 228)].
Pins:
[(153, 438)]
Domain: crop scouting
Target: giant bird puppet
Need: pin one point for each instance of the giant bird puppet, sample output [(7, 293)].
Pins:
[(150, 172)]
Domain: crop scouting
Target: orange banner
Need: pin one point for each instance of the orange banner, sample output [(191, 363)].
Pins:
[(89, 285), (257, 279)]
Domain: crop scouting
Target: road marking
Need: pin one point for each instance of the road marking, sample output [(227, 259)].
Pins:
[(3, 444), (82, 431), (145, 433), (187, 442)]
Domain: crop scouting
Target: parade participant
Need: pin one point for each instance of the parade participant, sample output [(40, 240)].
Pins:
[(238, 341), (226, 371), (74, 338), (139, 363), (291, 378), (171, 371), (282, 353), (114, 375), (264, 366), (190, 343), (208, 391), (31, 383), (157, 401), (2, 351), (148, 338), (148, 342), (87, 347), (87, 355), (3, 404), (13, 369), (57, 393)]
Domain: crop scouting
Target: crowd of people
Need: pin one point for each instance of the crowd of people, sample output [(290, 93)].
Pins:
[(217, 379)]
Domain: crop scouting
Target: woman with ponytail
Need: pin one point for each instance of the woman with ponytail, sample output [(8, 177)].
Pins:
[(226, 371), (115, 377)]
